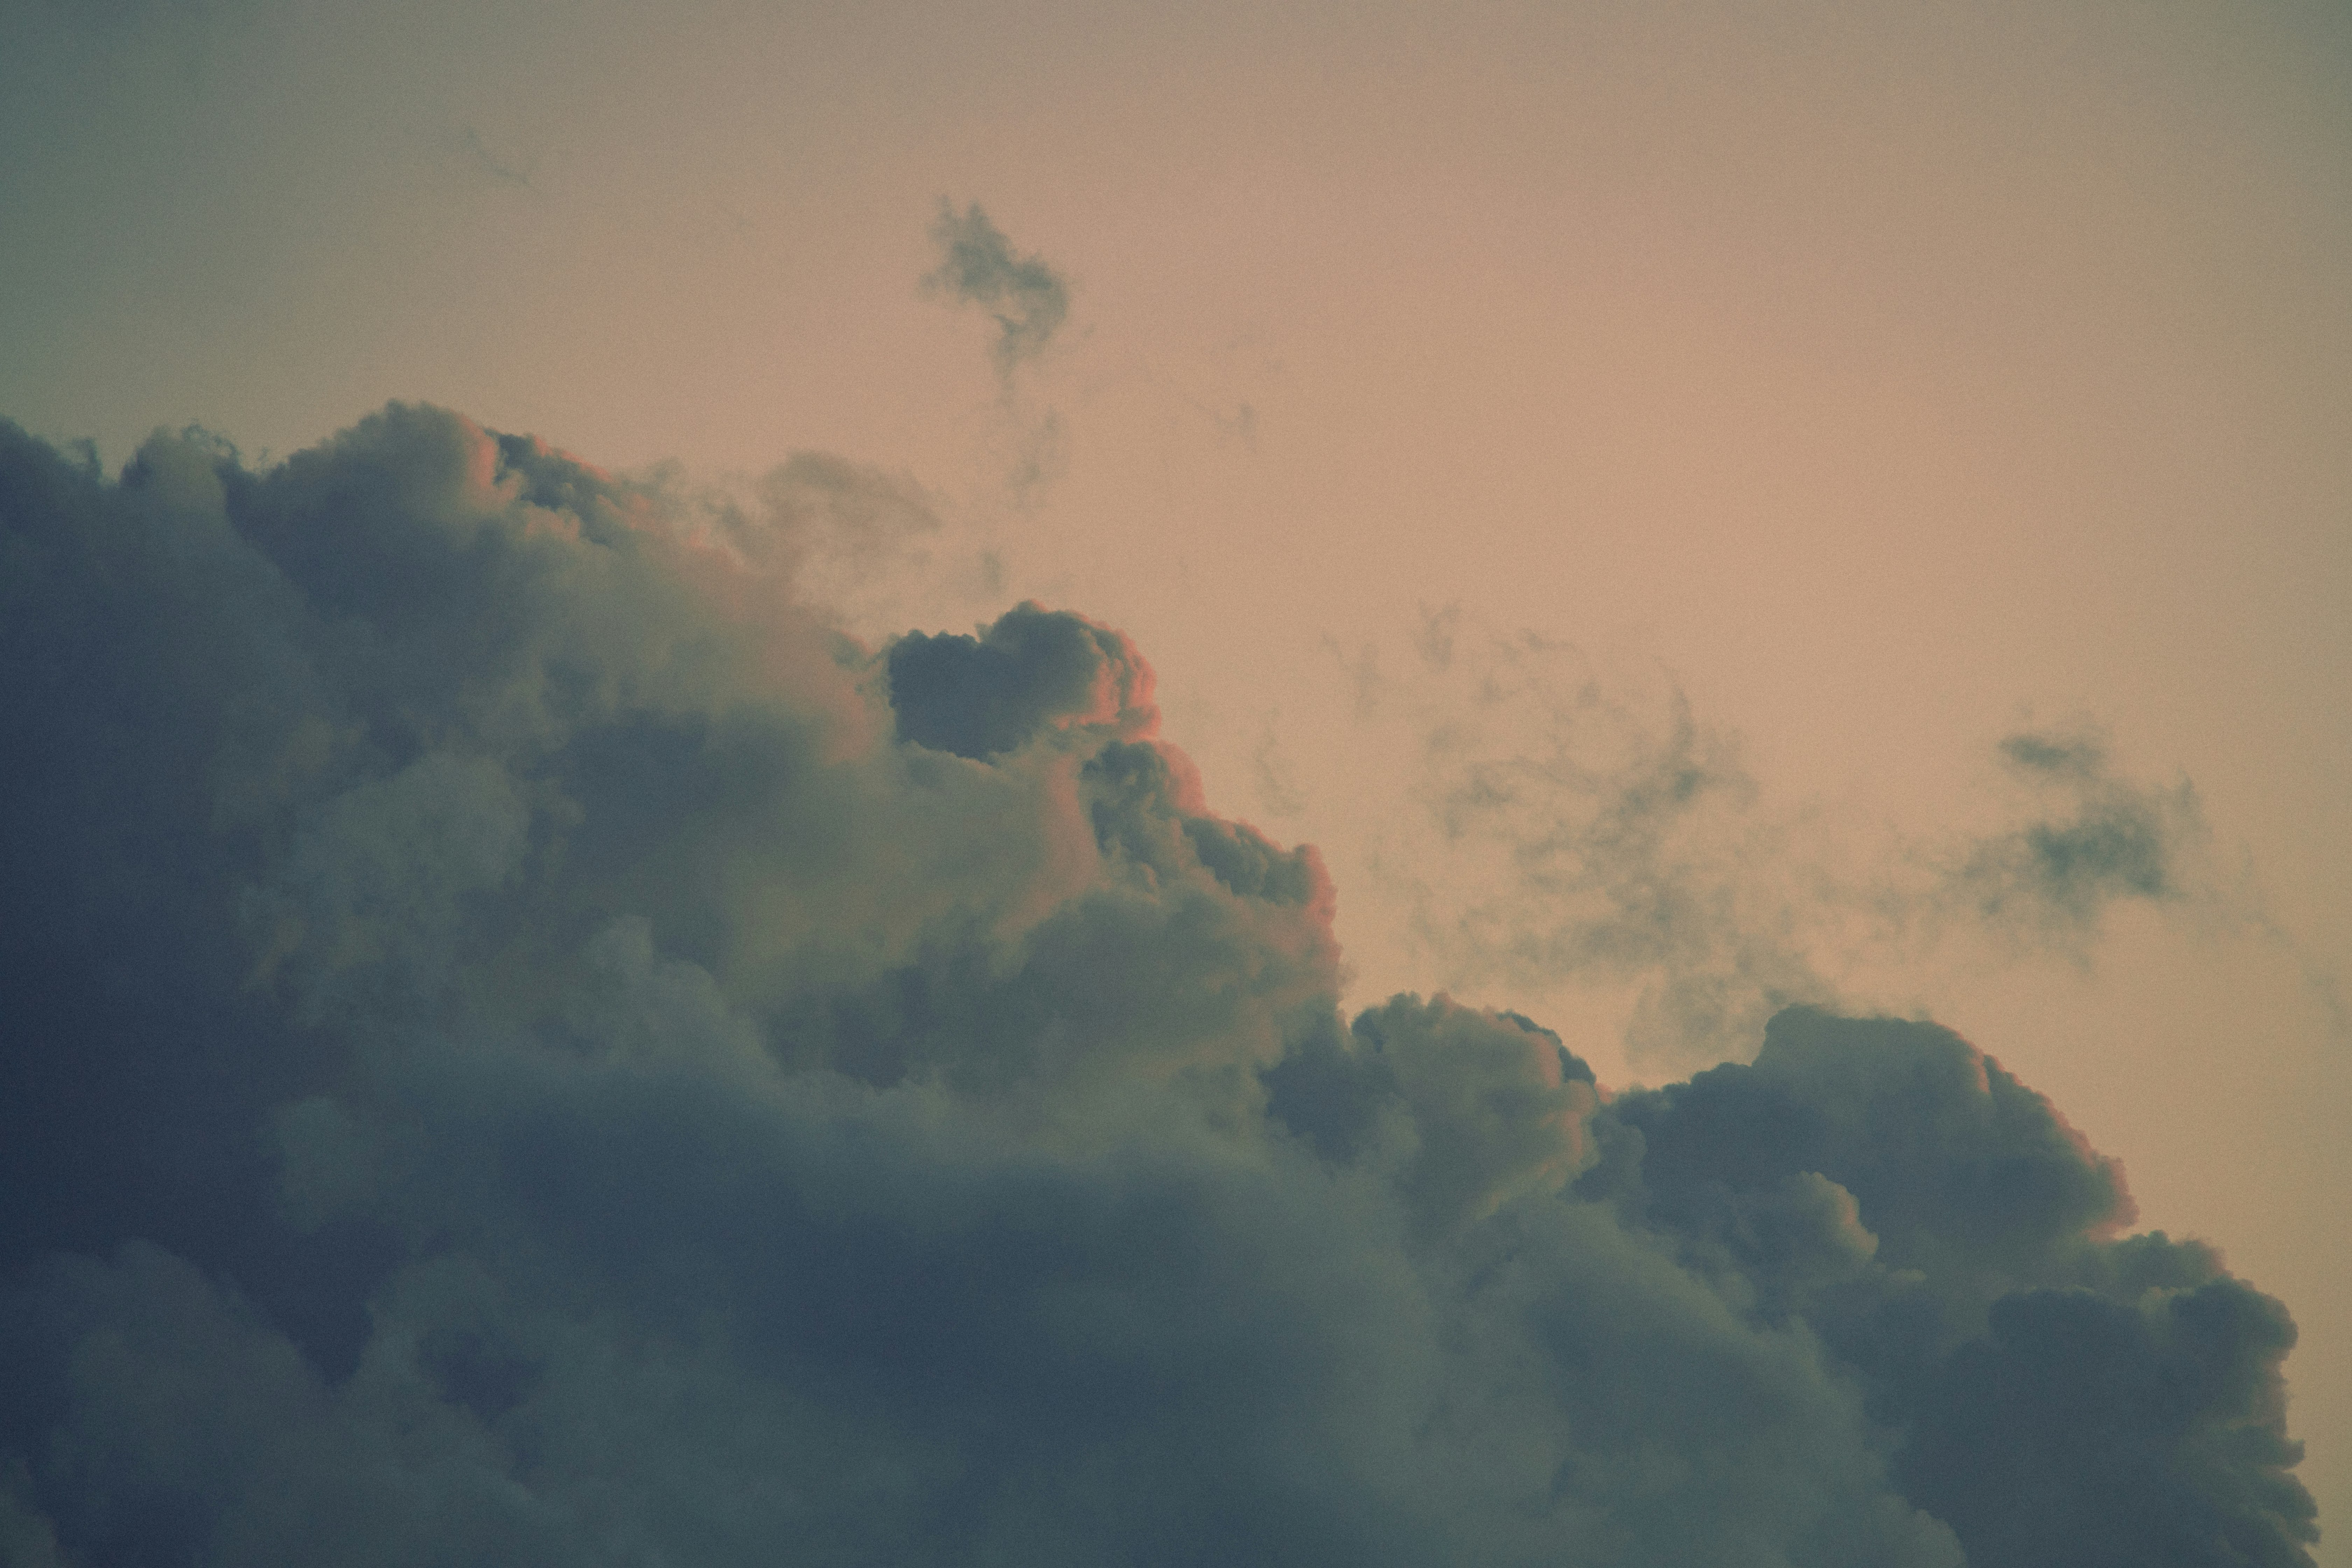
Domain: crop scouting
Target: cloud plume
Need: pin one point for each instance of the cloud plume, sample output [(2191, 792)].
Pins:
[(2102, 839), (1620, 839), (525, 1044), (977, 266)]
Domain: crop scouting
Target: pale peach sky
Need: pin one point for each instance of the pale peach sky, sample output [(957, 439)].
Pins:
[(1887, 376)]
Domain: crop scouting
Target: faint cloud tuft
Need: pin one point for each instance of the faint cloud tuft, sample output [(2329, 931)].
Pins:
[(979, 266)]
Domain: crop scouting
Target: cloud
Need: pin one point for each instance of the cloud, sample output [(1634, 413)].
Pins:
[(2064, 1395), (1272, 784), (1027, 298), (524, 1042), (860, 543), (2105, 840), (1620, 840), (1611, 839), (979, 697), (479, 154)]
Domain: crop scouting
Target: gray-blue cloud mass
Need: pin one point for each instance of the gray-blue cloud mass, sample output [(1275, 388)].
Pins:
[(520, 1044)]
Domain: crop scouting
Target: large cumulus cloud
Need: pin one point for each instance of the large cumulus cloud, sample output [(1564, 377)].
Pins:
[(522, 1044)]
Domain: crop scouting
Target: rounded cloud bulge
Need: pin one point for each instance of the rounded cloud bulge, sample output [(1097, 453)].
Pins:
[(524, 1042)]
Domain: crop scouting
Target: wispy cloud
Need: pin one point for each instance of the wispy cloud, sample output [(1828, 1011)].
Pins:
[(480, 156), (1594, 835), (1027, 298)]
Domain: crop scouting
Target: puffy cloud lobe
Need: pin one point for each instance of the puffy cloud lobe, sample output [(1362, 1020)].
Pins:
[(522, 1045), (2065, 1398), (979, 697), (1949, 1155), (1468, 1108), (2130, 1432)]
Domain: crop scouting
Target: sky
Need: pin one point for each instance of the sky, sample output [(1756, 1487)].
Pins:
[(1689, 508)]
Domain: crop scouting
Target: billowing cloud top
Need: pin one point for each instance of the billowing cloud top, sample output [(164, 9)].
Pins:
[(523, 1046), (981, 697)]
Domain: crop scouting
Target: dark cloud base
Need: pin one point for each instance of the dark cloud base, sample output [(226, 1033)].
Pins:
[(522, 1045)]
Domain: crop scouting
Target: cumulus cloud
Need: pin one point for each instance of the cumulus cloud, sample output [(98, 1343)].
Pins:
[(981, 696), (524, 1042)]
